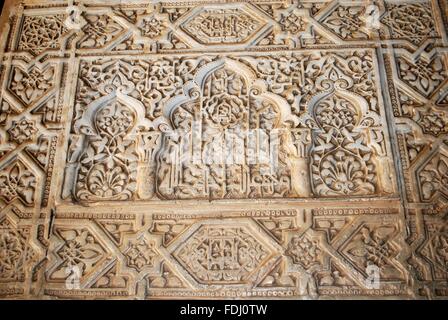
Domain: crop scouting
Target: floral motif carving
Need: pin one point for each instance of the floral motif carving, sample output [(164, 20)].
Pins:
[(413, 21), (153, 82), (435, 249), (15, 253), (22, 130), (283, 74), (140, 254), (152, 27), (108, 165), (432, 121), (5, 111), (80, 249), (29, 86), (423, 76), (433, 177), (17, 182), (99, 31), (346, 23), (292, 23), (40, 33), (435, 123), (373, 245), (346, 174), (343, 162), (304, 251)]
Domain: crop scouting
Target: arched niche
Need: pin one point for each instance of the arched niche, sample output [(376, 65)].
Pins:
[(221, 129), (106, 158), (343, 162)]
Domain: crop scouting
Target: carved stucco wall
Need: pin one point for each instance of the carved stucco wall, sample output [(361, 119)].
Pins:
[(134, 139)]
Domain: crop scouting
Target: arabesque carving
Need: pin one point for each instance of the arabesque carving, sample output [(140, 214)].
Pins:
[(223, 149)]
